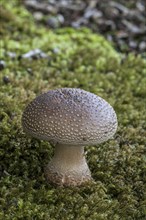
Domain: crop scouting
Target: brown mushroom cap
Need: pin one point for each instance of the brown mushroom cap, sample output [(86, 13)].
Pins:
[(70, 116)]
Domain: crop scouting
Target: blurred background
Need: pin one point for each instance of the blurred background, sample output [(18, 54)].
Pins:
[(121, 22)]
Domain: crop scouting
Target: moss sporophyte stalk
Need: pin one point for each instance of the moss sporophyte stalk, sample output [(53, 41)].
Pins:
[(75, 59)]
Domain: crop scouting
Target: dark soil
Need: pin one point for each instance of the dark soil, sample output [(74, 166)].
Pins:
[(121, 22)]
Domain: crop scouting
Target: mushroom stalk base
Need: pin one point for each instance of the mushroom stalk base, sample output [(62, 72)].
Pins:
[(68, 167)]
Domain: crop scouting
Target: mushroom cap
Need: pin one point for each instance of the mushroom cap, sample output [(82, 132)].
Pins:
[(70, 116)]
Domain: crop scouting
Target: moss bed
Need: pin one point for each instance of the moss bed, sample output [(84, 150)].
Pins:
[(75, 58)]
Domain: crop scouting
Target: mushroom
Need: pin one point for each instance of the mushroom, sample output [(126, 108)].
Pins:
[(69, 118)]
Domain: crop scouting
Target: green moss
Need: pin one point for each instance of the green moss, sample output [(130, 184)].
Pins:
[(85, 60)]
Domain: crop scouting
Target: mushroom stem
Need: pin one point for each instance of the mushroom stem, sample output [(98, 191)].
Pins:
[(68, 166)]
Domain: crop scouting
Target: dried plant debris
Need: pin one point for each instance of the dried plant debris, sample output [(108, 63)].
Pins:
[(121, 22), (34, 54)]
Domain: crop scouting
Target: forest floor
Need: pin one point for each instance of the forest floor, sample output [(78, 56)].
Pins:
[(121, 22)]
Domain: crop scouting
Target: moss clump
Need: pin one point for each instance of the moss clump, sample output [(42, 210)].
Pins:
[(76, 58)]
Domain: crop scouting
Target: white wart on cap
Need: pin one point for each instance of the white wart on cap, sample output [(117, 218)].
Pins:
[(70, 118)]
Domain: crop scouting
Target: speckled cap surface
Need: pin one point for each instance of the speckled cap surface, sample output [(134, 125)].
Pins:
[(70, 116)]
